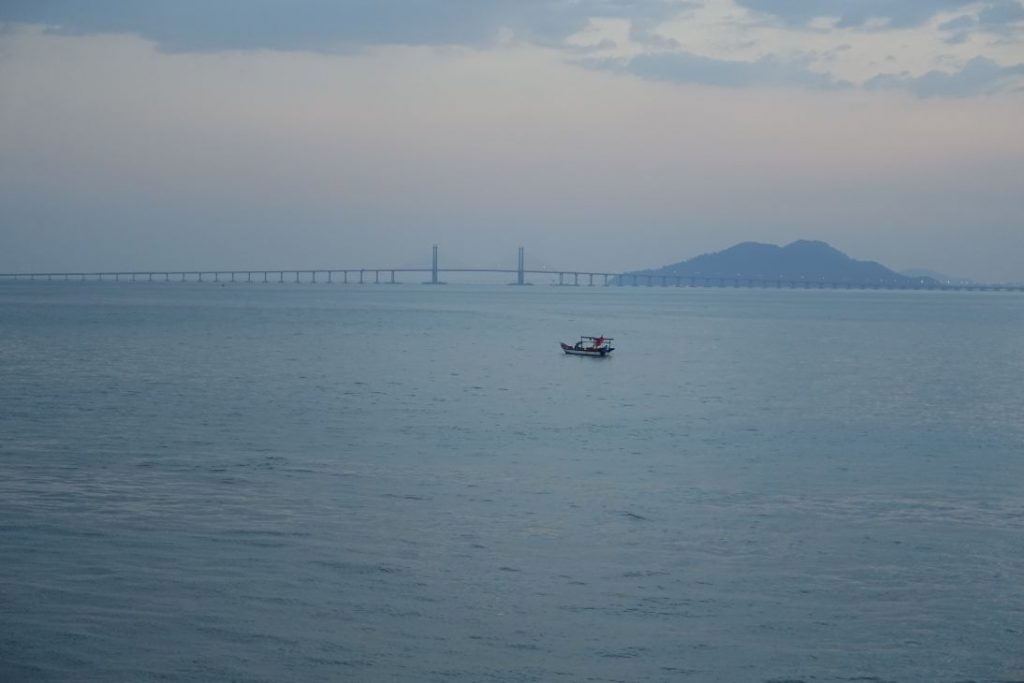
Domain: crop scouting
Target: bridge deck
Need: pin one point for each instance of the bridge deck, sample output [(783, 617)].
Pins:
[(569, 278)]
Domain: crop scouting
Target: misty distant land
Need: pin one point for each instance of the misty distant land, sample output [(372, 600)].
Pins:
[(803, 260), (803, 263)]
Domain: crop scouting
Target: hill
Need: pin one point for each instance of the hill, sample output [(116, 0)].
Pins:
[(800, 260)]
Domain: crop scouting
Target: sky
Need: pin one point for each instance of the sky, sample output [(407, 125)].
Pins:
[(604, 135)]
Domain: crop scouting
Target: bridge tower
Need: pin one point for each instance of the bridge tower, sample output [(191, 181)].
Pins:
[(520, 274)]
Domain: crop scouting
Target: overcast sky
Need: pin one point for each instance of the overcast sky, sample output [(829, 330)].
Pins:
[(599, 134)]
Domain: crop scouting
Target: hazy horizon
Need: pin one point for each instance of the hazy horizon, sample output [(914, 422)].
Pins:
[(601, 136), (492, 269)]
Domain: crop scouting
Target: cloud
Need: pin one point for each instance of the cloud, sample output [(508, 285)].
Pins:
[(718, 42), (328, 25), (856, 13), (959, 29), (997, 15), (682, 67), (980, 76)]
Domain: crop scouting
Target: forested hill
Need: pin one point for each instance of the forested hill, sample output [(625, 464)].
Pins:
[(801, 260)]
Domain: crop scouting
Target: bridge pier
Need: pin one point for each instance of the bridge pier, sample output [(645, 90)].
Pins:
[(592, 278)]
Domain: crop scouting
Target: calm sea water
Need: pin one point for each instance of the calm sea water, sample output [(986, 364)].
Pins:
[(407, 483)]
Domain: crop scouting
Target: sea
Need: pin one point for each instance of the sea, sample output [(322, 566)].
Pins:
[(312, 482)]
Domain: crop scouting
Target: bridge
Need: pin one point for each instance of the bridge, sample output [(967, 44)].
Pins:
[(566, 278)]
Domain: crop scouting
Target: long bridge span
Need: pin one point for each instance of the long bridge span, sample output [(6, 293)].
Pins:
[(433, 274)]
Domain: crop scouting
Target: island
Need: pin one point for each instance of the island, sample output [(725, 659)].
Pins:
[(807, 261)]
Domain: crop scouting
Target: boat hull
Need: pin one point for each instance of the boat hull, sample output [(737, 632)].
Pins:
[(598, 353)]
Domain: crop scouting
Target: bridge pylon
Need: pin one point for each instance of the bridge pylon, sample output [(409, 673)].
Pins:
[(433, 270)]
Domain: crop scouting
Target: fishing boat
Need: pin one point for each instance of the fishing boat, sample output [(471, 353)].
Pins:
[(589, 346)]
